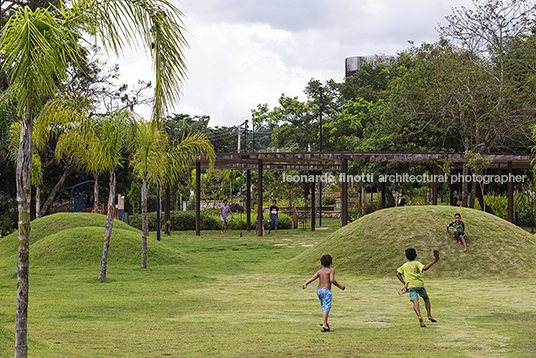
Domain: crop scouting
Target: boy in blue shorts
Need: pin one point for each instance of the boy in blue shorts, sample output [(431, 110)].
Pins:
[(327, 277), (410, 275)]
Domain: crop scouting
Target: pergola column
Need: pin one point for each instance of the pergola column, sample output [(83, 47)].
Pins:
[(434, 184), (198, 198), (344, 193), (259, 198), (382, 191), (248, 200), (313, 211), (510, 187)]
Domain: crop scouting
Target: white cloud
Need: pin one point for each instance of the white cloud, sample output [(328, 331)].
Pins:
[(244, 53)]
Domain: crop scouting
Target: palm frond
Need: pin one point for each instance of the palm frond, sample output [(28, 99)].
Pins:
[(37, 46), (157, 26), (182, 154)]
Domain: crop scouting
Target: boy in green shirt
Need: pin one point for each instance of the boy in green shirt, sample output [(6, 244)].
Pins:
[(410, 275), (459, 230)]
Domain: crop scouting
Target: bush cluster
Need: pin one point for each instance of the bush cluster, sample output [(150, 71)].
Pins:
[(523, 206), (284, 222), (180, 221), (210, 220), (329, 201)]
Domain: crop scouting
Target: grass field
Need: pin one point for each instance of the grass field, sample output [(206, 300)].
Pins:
[(232, 296)]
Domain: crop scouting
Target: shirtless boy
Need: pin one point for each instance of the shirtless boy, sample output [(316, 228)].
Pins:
[(326, 277)]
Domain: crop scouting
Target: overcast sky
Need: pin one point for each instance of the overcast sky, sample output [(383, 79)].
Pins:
[(246, 52)]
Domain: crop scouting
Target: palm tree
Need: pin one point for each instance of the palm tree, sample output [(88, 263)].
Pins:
[(54, 116), (37, 46), (99, 149), (31, 42), (37, 165), (160, 161), (108, 142), (148, 159)]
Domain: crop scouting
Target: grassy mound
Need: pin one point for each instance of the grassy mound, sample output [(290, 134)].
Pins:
[(80, 241), (375, 244), (55, 223), (7, 342)]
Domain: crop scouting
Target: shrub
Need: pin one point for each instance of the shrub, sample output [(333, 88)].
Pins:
[(522, 206), (180, 221), (285, 222), (329, 201), (210, 220)]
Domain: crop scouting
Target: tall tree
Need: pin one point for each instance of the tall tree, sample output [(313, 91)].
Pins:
[(108, 142), (36, 47), (489, 33), (148, 159)]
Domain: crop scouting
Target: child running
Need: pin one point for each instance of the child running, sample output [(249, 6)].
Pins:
[(410, 275), (327, 277)]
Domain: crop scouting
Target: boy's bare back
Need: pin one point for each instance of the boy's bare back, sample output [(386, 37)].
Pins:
[(326, 275)]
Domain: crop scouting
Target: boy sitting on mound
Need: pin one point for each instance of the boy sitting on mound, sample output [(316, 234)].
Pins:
[(459, 230), (410, 275), (327, 277)]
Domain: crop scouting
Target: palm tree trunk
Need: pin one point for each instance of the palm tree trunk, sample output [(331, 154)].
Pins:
[(144, 221), (54, 191), (37, 201), (24, 189), (96, 194), (109, 226)]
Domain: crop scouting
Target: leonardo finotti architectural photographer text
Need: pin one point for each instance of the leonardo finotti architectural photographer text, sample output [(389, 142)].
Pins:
[(404, 178)]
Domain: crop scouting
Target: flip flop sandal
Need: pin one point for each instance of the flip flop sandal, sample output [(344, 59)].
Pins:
[(403, 291)]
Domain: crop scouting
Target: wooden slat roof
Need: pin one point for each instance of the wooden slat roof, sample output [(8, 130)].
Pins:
[(330, 161)]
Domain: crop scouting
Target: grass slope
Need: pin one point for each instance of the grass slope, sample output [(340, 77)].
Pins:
[(375, 244), (76, 239), (55, 223)]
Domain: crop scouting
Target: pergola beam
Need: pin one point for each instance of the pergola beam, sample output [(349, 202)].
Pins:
[(338, 161)]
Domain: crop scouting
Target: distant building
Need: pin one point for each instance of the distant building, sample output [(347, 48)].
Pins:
[(354, 64)]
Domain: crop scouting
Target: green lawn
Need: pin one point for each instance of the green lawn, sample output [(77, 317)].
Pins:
[(232, 296)]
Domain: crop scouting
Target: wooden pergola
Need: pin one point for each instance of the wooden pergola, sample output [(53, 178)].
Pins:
[(338, 161)]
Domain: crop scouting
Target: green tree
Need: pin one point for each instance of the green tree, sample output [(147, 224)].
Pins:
[(107, 142), (149, 156), (36, 47), (99, 147), (159, 160), (296, 123)]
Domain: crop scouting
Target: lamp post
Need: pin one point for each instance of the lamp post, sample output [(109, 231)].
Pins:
[(320, 181), (252, 135), (246, 136)]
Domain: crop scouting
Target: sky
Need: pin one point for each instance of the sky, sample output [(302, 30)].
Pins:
[(247, 52)]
